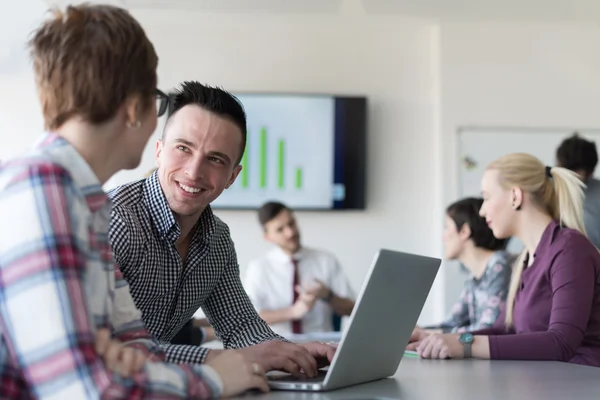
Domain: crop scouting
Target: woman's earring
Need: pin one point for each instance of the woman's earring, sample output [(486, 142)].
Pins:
[(134, 125)]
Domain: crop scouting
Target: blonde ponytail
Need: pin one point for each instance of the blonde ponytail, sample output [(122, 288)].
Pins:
[(569, 193), (558, 191)]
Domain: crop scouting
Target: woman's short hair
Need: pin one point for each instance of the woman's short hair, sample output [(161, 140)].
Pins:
[(466, 211), (87, 60)]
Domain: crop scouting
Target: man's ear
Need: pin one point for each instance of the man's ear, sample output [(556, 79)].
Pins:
[(158, 151), (266, 236), (234, 175)]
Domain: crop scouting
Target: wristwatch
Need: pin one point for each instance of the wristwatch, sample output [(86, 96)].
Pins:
[(467, 340)]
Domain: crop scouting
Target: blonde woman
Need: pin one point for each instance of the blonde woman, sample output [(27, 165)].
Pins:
[(553, 305)]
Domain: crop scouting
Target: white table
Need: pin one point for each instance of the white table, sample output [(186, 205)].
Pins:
[(418, 379)]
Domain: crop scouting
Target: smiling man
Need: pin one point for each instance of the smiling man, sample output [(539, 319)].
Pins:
[(177, 256)]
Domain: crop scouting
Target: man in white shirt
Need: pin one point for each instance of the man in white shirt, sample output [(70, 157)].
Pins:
[(295, 289)]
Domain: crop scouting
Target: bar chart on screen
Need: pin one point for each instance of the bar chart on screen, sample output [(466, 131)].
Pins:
[(262, 165), (289, 153)]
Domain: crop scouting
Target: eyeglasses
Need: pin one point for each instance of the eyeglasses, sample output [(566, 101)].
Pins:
[(162, 102)]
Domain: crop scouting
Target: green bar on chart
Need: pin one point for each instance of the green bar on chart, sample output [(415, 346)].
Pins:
[(244, 164), (263, 158), (298, 178), (280, 163)]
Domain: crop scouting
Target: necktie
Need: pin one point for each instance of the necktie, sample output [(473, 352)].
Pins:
[(296, 324)]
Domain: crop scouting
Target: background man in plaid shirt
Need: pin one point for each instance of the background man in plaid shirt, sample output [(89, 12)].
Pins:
[(59, 306)]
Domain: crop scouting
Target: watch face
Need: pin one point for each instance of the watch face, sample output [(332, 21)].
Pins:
[(466, 338)]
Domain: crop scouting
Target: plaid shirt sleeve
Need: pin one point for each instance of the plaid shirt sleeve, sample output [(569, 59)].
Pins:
[(44, 260)]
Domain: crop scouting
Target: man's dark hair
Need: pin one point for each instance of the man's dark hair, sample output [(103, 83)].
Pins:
[(213, 99), (270, 210), (466, 211), (577, 154)]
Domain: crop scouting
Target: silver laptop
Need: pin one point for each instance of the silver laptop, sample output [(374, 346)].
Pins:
[(385, 314)]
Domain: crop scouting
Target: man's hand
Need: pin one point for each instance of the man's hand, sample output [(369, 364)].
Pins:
[(238, 373), (289, 357), (305, 302), (125, 361), (322, 352), (319, 289)]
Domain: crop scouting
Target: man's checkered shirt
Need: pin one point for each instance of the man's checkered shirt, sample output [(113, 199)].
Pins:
[(143, 232)]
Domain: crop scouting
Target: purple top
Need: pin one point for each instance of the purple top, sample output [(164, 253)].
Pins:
[(557, 308)]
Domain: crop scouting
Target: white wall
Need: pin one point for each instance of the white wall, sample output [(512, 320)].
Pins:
[(390, 60), (517, 75), (20, 116)]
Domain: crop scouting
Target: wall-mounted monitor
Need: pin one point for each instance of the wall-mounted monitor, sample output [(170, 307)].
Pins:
[(307, 151)]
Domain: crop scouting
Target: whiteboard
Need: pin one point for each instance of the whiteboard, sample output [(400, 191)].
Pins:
[(478, 147)]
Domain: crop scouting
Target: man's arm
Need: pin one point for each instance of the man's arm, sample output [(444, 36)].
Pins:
[(276, 316), (253, 283), (127, 320), (341, 305), (298, 310), (42, 263), (339, 294), (231, 312)]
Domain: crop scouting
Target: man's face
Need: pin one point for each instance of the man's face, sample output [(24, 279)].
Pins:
[(283, 231), (197, 159)]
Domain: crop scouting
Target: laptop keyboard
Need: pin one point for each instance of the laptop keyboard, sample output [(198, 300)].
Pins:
[(291, 378)]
